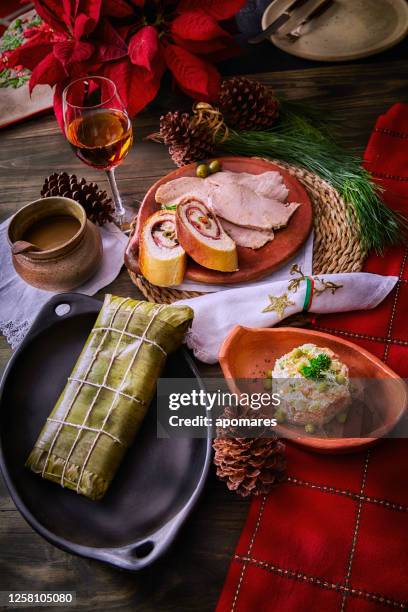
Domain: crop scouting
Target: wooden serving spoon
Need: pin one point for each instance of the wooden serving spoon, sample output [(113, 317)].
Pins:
[(22, 246)]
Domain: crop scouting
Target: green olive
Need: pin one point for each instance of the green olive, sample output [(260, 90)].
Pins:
[(268, 373), (202, 171), (342, 417), (340, 379), (215, 166), (309, 428), (267, 383)]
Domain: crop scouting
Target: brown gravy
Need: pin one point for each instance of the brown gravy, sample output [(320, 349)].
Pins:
[(52, 231)]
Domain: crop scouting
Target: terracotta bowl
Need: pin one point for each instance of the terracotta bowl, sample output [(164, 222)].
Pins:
[(65, 266), (247, 352)]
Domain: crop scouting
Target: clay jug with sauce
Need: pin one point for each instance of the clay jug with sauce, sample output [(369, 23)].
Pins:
[(66, 248)]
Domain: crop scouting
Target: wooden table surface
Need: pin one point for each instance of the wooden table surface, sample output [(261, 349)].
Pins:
[(191, 575)]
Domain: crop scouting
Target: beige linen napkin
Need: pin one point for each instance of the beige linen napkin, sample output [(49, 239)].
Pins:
[(20, 303)]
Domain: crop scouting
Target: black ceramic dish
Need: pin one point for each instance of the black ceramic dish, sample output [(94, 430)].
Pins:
[(157, 484)]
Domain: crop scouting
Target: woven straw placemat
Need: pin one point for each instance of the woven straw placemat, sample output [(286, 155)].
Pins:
[(336, 245)]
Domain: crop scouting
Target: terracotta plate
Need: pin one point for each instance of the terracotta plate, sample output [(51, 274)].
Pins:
[(253, 264), (246, 354)]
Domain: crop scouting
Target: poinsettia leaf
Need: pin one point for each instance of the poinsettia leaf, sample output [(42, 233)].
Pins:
[(135, 86), (200, 34), (109, 44), (116, 8), (91, 8), (219, 9), (83, 69), (31, 52), (87, 17), (58, 107), (72, 51), (70, 7), (70, 12), (125, 31), (52, 12), (82, 26), (48, 72), (196, 77), (145, 51), (31, 32), (196, 25)]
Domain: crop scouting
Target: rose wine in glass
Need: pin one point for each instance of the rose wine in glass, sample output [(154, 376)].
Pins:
[(98, 128)]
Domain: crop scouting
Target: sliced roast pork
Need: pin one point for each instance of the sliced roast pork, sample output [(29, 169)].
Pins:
[(247, 237), (242, 206), (269, 184), (231, 200), (173, 192)]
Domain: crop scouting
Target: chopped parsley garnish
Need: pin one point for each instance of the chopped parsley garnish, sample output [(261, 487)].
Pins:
[(317, 365)]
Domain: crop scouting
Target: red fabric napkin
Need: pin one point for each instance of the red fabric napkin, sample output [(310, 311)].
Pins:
[(334, 536)]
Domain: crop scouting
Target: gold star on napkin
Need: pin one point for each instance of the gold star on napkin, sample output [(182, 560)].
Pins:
[(278, 304)]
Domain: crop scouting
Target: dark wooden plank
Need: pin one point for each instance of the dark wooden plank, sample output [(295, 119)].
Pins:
[(191, 575), (355, 94), (265, 57)]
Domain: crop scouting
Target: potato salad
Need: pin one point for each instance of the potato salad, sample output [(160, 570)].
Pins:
[(313, 385)]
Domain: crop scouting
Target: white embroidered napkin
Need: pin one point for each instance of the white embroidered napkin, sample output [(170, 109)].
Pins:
[(20, 303), (265, 305)]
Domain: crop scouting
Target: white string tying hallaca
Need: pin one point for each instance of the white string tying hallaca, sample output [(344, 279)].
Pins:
[(130, 335), (85, 428), (82, 382), (99, 389), (74, 397), (125, 376)]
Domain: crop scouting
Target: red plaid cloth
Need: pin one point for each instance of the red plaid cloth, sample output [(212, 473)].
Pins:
[(334, 536)]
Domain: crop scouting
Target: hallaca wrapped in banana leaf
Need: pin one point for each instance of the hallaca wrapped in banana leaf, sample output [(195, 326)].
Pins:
[(108, 393)]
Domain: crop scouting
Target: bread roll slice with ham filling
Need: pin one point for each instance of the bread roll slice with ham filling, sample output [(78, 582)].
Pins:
[(162, 259), (201, 235)]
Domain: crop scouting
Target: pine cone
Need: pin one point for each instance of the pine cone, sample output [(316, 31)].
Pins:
[(174, 127), (249, 466), (98, 206), (187, 142), (247, 105)]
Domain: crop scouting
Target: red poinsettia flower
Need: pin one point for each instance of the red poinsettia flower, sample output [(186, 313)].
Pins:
[(132, 42)]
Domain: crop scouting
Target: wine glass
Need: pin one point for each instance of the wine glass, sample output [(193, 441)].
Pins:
[(98, 128)]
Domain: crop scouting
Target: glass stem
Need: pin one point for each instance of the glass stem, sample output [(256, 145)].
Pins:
[(119, 208)]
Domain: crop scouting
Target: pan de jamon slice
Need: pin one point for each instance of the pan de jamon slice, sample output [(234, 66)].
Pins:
[(202, 236), (162, 260)]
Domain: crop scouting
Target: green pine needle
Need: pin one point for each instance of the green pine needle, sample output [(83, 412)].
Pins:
[(302, 142)]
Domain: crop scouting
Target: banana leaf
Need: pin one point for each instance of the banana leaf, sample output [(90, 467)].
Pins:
[(107, 394)]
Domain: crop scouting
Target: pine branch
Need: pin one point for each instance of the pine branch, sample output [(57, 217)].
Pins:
[(298, 141)]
